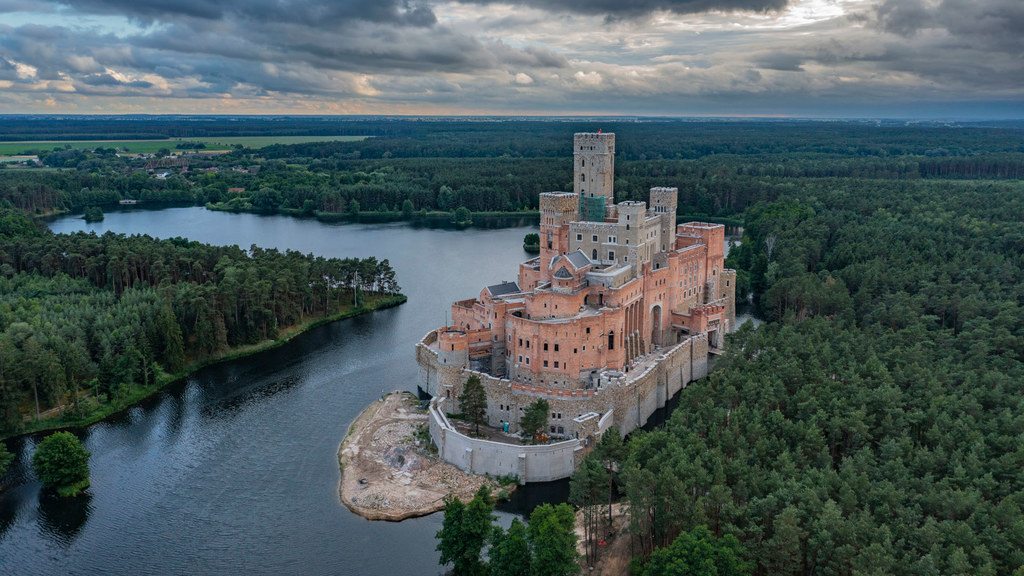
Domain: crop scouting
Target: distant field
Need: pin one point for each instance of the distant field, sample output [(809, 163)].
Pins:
[(150, 146)]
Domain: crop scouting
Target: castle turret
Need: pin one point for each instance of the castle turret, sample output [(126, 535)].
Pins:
[(557, 210), (594, 173), (453, 347), (663, 202)]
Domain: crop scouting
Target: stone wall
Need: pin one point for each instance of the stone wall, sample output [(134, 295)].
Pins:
[(631, 398), (541, 463)]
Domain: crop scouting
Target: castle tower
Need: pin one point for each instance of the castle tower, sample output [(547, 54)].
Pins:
[(631, 226), (663, 202), (557, 210), (594, 173)]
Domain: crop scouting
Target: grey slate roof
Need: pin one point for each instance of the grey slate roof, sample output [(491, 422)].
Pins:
[(578, 259), (563, 273), (503, 289)]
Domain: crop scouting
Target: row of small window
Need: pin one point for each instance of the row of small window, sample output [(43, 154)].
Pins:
[(593, 238), (545, 344)]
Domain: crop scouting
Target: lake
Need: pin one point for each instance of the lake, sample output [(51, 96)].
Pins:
[(234, 470)]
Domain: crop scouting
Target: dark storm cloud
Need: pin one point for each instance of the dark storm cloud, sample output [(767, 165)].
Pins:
[(633, 8), (993, 24), (296, 11)]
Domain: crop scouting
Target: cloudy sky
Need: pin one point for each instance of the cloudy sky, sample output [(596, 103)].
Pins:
[(831, 58)]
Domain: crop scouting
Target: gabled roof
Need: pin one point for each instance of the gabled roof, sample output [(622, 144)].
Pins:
[(503, 289), (563, 273), (578, 259)]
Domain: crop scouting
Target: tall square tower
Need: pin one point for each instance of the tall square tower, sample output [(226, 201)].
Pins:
[(594, 173)]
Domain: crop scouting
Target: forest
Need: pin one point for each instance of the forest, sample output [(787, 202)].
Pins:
[(90, 323), (414, 170), (875, 423)]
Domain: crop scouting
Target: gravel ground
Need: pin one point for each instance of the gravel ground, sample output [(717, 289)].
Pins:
[(387, 472)]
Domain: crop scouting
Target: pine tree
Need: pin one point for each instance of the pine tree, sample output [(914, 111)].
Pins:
[(510, 551), (534, 419), (473, 401)]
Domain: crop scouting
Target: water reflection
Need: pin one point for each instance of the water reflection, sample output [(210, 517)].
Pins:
[(62, 519)]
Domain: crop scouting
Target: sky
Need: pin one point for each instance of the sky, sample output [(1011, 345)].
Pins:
[(802, 58)]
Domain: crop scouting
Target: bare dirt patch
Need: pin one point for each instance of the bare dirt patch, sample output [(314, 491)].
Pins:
[(389, 473), (614, 555)]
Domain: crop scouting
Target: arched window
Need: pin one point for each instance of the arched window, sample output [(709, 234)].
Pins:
[(583, 162), (583, 177), (594, 255)]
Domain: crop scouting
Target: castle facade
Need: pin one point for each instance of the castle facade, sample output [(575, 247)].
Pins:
[(616, 314)]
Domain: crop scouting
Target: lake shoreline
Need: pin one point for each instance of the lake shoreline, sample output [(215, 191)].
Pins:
[(163, 380), (388, 470)]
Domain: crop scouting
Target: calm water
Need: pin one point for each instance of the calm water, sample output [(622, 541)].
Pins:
[(235, 470)]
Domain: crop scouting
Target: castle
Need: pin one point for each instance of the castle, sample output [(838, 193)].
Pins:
[(618, 313)]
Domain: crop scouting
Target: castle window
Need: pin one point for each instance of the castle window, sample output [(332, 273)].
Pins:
[(575, 351), (545, 346), (588, 332), (556, 363), (611, 340), (583, 177), (545, 363), (594, 255), (627, 228), (520, 357), (527, 343), (579, 237), (527, 360), (583, 162), (556, 347), (520, 341), (611, 255), (593, 238)]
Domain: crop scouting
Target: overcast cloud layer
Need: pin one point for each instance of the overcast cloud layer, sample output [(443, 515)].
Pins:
[(948, 58)]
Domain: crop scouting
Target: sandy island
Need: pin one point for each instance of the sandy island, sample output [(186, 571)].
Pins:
[(389, 473)]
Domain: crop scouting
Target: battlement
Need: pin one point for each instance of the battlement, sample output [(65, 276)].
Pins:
[(559, 202), (594, 142)]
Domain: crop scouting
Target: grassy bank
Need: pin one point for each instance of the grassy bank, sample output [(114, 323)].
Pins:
[(91, 410)]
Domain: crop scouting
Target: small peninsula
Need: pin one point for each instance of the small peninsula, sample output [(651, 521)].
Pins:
[(388, 469)]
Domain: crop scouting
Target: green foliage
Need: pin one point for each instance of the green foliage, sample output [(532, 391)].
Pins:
[(62, 463), (586, 491), (465, 531), (531, 243), (698, 553), (93, 214), (461, 216), (534, 420), (552, 537), (546, 548), (474, 402), (874, 426), (5, 459), (104, 315), (510, 552)]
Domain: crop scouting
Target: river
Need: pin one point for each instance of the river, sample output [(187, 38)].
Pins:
[(234, 470)]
